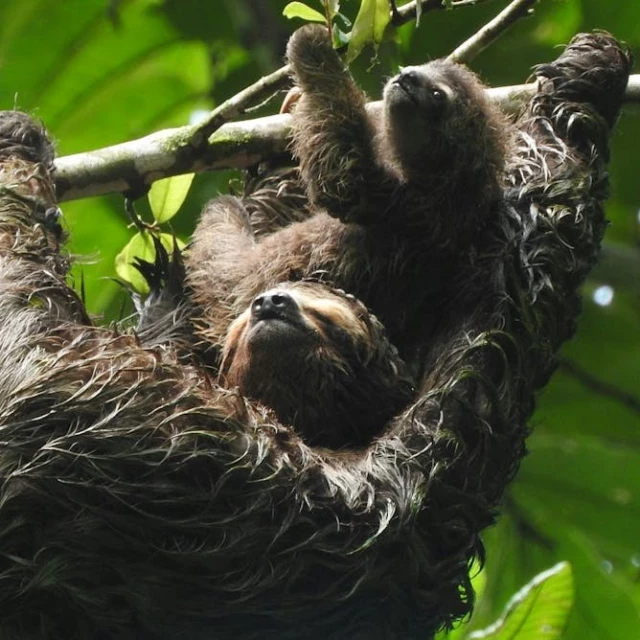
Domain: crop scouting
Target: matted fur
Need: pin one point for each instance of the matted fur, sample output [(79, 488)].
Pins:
[(139, 500), (387, 218)]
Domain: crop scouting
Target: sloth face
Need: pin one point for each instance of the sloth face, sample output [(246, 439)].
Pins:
[(420, 93), (319, 360), (295, 324), (436, 118)]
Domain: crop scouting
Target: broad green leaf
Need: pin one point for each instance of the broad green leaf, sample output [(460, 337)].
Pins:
[(167, 195), (539, 610), (369, 26), (340, 38), (94, 82), (141, 247), (586, 484), (607, 596), (301, 10), (607, 599), (98, 83)]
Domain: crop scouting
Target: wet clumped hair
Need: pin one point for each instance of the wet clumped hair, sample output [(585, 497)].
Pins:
[(141, 499)]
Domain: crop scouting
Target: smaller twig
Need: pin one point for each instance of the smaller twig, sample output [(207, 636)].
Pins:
[(602, 388), (408, 12), (238, 104), (492, 30)]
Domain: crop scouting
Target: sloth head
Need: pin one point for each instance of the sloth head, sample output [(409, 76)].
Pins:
[(437, 121), (320, 361)]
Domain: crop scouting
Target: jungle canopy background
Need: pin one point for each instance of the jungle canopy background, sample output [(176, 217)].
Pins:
[(99, 72)]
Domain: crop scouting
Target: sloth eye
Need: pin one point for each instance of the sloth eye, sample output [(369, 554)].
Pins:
[(438, 95)]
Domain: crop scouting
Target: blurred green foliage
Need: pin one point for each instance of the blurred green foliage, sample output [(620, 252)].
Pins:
[(99, 72)]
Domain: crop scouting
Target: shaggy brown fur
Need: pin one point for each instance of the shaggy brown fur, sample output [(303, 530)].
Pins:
[(396, 202), (138, 500), (320, 361)]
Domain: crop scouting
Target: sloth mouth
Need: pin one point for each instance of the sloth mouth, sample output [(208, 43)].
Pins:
[(406, 87), (275, 324), (267, 316)]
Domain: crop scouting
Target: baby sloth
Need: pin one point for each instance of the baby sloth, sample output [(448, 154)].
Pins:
[(393, 201), (320, 361)]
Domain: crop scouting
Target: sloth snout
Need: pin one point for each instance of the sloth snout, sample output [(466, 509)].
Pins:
[(273, 304)]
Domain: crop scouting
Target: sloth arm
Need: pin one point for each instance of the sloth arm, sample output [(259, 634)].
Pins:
[(334, 138), (557, 182)]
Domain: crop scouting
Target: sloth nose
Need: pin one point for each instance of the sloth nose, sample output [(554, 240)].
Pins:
[(408, 77), (273, 304)]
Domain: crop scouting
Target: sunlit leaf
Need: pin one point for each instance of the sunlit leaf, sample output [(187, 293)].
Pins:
[(369, 26), (141, 247), (167, 195), (339, 37), (539, 610), (301, 10)]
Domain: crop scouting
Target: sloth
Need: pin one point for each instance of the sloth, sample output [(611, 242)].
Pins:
[(392, 202), (319, 360), (139, 499)]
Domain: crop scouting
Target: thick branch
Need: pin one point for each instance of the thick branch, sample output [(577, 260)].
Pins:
[(132, 166)]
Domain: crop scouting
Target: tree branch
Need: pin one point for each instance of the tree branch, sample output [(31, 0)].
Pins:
[(492, 30), (407, 12), (195, 137), (600, 387), (132, 166), (239, 103)]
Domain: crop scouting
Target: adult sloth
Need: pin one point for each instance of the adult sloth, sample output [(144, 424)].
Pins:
[(139, 500)]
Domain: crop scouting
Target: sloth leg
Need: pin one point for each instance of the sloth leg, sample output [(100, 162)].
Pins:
[(557, 182), (217, 262), (32, 268)]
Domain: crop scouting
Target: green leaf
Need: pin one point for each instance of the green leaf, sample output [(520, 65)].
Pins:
[(141, 247), (339, 37), (333, 6), (369, 26), (301, 10), (167, 195), (538, 610)]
